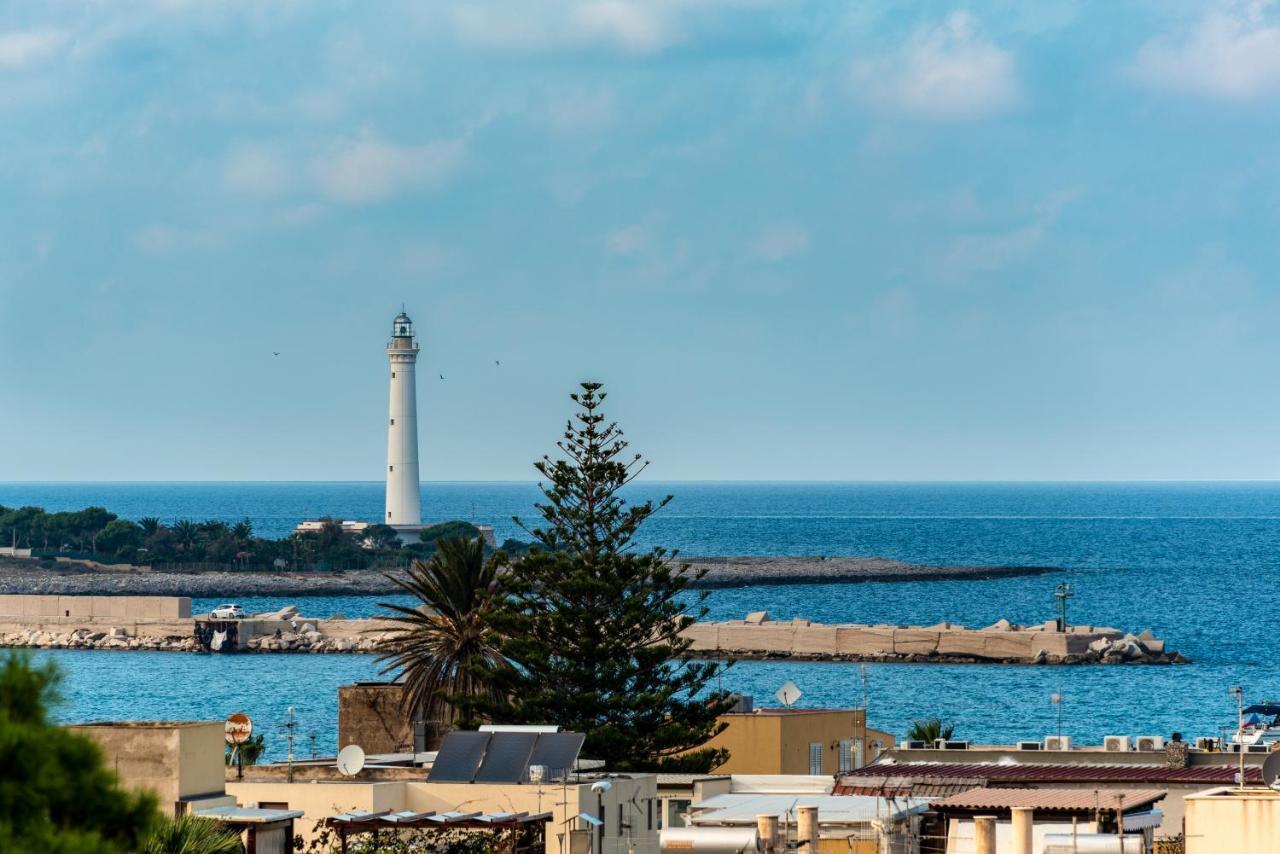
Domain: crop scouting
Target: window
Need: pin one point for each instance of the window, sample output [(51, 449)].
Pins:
[(393, 375), (649, 818), (619, 819), (393, 422), (846, 755), (676, 808), (815, 757), (391, 468)]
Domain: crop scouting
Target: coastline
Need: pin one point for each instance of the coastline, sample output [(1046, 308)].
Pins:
[(73, 578)]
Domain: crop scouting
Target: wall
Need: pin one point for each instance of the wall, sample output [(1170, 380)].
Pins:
[(105, 607), (370, 715), (320, 800), (776, 741), (1241, 822), (177, 761)]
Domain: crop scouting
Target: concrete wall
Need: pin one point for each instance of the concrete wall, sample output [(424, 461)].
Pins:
[(320, 800), (118, 608), (370, 715), (775, 741), (176, 761), (1240, 821), (803, 638)]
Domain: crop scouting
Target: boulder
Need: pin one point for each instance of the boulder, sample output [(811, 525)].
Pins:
[(308, 627), (757, 617), (1001, 625), (1100, 646), (1040, 657)]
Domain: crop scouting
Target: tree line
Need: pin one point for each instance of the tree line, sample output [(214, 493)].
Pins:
[(97, 533)]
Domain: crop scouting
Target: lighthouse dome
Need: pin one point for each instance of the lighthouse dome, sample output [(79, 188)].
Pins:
[(402, 326)]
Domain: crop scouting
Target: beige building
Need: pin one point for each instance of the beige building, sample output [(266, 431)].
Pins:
[(798, 741), (1241, 821), (623, 812), (181, 762)]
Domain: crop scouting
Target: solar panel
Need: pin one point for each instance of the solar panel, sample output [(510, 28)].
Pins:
[(558, 752), (507, 759), (459, 757)]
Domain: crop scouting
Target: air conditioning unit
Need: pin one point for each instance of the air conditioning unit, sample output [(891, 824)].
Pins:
[(1116, 744), (1257, 748), (948, 744), (1028, 745), (913, 745), (1150, 742), (1057, 742), (1208, 744)]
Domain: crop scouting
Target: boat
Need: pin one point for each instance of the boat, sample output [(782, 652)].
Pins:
[(1260, 724)]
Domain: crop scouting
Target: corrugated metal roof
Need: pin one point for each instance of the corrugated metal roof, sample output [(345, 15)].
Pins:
[(1066, 800), (902, 774), (913, 789)]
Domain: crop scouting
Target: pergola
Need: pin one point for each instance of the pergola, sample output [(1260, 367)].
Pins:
[(521, 832)]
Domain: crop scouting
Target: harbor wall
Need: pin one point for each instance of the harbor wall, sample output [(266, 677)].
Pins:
[(97, 607)]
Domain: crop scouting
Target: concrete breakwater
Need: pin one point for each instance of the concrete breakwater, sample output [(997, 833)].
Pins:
[(166, 623), (759, 637)]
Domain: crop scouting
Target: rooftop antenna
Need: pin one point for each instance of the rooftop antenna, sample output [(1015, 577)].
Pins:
[(788, 693), (1062, 593), (350, 760), (312, 738)]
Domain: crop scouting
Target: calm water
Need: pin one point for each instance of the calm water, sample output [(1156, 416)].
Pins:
[(1197, 563)]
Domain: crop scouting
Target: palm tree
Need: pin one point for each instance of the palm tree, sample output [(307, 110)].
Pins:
[(930, 730), (187, 532), (149, 525), (242, 530), (191, 835), (435, 646)]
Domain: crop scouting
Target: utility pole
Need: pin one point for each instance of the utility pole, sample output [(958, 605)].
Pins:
[(1062, 594), (1238, 693), (289, 727)]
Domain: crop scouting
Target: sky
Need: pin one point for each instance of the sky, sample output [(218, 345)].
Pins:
[(796, 240)]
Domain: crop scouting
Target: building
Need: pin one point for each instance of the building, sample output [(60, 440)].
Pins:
[(1025, 819), (1242, 821), (182, 764), (404, 501), (797, 741), (621, 818), (940, 773)]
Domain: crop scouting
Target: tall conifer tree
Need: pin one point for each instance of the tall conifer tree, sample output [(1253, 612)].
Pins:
[(594, 625)]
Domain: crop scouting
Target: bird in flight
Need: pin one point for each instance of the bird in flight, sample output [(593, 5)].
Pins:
[(275, 352), (442, 376), (496, 362)]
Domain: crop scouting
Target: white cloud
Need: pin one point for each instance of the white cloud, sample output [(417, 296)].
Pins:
[(583, 112), (254, 171), (1231, 53), (974, 253), (627, 241), (945, 73), (627, 25), (779, 242), (367, 168), (164, 239), (21, 48)]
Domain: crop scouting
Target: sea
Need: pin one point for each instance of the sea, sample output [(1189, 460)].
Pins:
[(1197, 563)]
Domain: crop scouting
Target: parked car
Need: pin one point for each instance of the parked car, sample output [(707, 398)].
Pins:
[(227, 612)]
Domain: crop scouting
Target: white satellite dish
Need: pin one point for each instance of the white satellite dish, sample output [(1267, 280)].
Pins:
[(788, 693), (1271, 771), (350, 760)]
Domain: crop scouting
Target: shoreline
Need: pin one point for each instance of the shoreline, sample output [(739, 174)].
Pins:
[(75, 578)]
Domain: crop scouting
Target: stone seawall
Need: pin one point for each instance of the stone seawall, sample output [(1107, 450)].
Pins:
[(758, 637)]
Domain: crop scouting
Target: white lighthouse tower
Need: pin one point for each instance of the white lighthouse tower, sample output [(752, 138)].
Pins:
[(404, 500)]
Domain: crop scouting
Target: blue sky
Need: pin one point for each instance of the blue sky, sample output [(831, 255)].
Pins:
[(831, 240)]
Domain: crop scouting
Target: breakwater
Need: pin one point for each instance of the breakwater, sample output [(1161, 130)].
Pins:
[(166, 623)]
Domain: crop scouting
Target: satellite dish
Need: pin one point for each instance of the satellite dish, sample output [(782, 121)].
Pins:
[(788, 693), (350, 760), (238, 727), (1271, 770)]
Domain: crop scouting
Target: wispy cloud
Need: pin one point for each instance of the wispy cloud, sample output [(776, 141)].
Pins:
[(1232, 53), (255, 171), (988, 252), (630, 240), (367, 168), (165, 239), (778, 242), (22, 48), (628, 25), (948, 72), (582, 112)]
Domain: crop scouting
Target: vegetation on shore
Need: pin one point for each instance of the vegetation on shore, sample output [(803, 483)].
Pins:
[(96, 533), (583, 630)]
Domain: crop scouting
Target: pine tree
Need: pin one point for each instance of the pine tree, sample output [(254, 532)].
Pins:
[(594, 625)]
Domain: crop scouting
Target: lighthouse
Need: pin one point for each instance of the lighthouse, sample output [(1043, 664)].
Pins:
[(404, 501)]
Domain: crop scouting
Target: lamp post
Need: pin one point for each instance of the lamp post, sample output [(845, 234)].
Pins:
[(1238, 693), (1056, 699)]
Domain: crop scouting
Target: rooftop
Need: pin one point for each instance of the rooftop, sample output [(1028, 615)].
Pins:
[(742, 809), (900, 775), (1050, 800)]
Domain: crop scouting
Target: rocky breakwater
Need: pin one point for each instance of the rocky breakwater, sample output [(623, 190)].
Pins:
[(288, 631), (759, 637), (114, 637)]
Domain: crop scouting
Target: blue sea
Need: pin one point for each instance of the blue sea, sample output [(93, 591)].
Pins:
[(1198, 563)]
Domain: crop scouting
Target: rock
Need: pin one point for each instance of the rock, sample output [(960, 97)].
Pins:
[(1100, 646), (1001, 625), (755, 618), (117, 632), (1153, 646), (308, 627), (1130, 651), (1146, 635), (1040, 657)]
